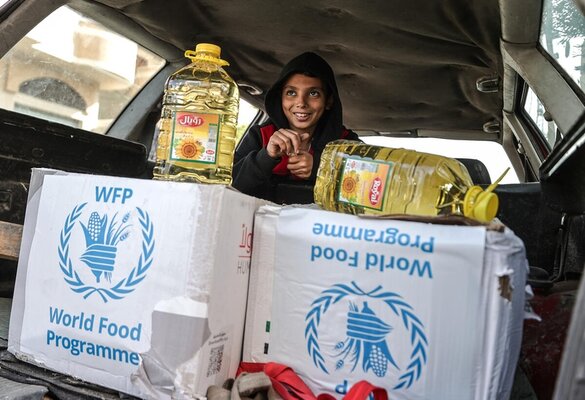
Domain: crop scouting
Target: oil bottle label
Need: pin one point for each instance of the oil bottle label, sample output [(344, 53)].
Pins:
[(363, 182), (194, 137)]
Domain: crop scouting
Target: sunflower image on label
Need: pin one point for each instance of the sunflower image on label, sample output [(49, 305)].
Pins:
[(194, 137), (363, 182)]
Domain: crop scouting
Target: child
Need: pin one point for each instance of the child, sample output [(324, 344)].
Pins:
[(305, 114)]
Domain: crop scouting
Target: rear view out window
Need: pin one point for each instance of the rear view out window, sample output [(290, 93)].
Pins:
[(72, 70), (492, 154), (562, 35), (536, 112)]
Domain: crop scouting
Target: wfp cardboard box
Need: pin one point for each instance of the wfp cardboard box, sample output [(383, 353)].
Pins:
[(426, 311), (134, 285)]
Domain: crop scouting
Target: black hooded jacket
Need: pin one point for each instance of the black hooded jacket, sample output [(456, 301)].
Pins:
[(255, 172)]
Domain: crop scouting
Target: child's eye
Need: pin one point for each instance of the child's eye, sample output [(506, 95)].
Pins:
[(290, 92), (315, 93)]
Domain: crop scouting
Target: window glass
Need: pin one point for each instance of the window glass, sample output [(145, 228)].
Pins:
[(562, 35), (536, 112), (492, 154), (72, 70), (3, 3), (245, 116)]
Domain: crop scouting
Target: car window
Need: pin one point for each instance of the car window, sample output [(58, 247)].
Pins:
[(72, 70), (245, 117), (562, 35), (546, 127), (492, 154), (3, 3)]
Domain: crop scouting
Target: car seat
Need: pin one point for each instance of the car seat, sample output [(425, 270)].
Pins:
[(477, 171)]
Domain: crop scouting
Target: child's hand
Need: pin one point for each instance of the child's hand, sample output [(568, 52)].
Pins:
[(286, 142), (301, 165)]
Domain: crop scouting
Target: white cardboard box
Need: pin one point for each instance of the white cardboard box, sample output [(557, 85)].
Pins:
[(427, 311), (131, 284)]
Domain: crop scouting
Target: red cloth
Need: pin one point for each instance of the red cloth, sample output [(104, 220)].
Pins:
[(291, 387)]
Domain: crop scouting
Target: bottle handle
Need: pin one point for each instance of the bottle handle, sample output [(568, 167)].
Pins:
[(494, 185)]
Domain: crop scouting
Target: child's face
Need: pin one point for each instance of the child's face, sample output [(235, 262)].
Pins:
[(303, 102)]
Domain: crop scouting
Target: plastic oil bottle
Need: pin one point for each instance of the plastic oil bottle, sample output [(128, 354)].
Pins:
[(357, 178), (198, 121)]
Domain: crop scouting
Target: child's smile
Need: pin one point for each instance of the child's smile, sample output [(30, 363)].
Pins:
[(303, 102)]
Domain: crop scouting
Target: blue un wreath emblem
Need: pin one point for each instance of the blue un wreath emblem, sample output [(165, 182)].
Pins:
[(103, 236), (366, 344)]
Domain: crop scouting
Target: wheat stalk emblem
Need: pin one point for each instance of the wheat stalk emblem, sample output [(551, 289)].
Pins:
[(366, 333), (101, 240), (366, 336)]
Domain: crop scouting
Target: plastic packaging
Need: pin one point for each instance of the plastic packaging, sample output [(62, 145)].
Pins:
[(358, 178), (198, 121)]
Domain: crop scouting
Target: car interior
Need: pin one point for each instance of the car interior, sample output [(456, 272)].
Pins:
[(508, 72)]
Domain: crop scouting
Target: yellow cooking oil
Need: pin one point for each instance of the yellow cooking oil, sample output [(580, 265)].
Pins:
[(197, 129), (358, 178)]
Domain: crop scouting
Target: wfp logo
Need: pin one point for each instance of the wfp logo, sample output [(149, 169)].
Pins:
[(101, 240), (104, 236), (367, 341)]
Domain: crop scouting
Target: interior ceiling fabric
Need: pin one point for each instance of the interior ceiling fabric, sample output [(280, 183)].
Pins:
[(400, 65)]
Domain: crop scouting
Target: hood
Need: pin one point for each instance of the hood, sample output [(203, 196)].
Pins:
[(331, 123)]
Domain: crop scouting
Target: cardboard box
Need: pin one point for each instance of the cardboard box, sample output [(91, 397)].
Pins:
[(135, 285), (426, 311)]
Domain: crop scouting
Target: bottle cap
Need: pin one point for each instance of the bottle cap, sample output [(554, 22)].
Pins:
[(209, 48), (480, 205), (206, 52)]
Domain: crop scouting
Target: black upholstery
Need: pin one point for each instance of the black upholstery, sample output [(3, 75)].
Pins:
[(399, 65), (477, 170)]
